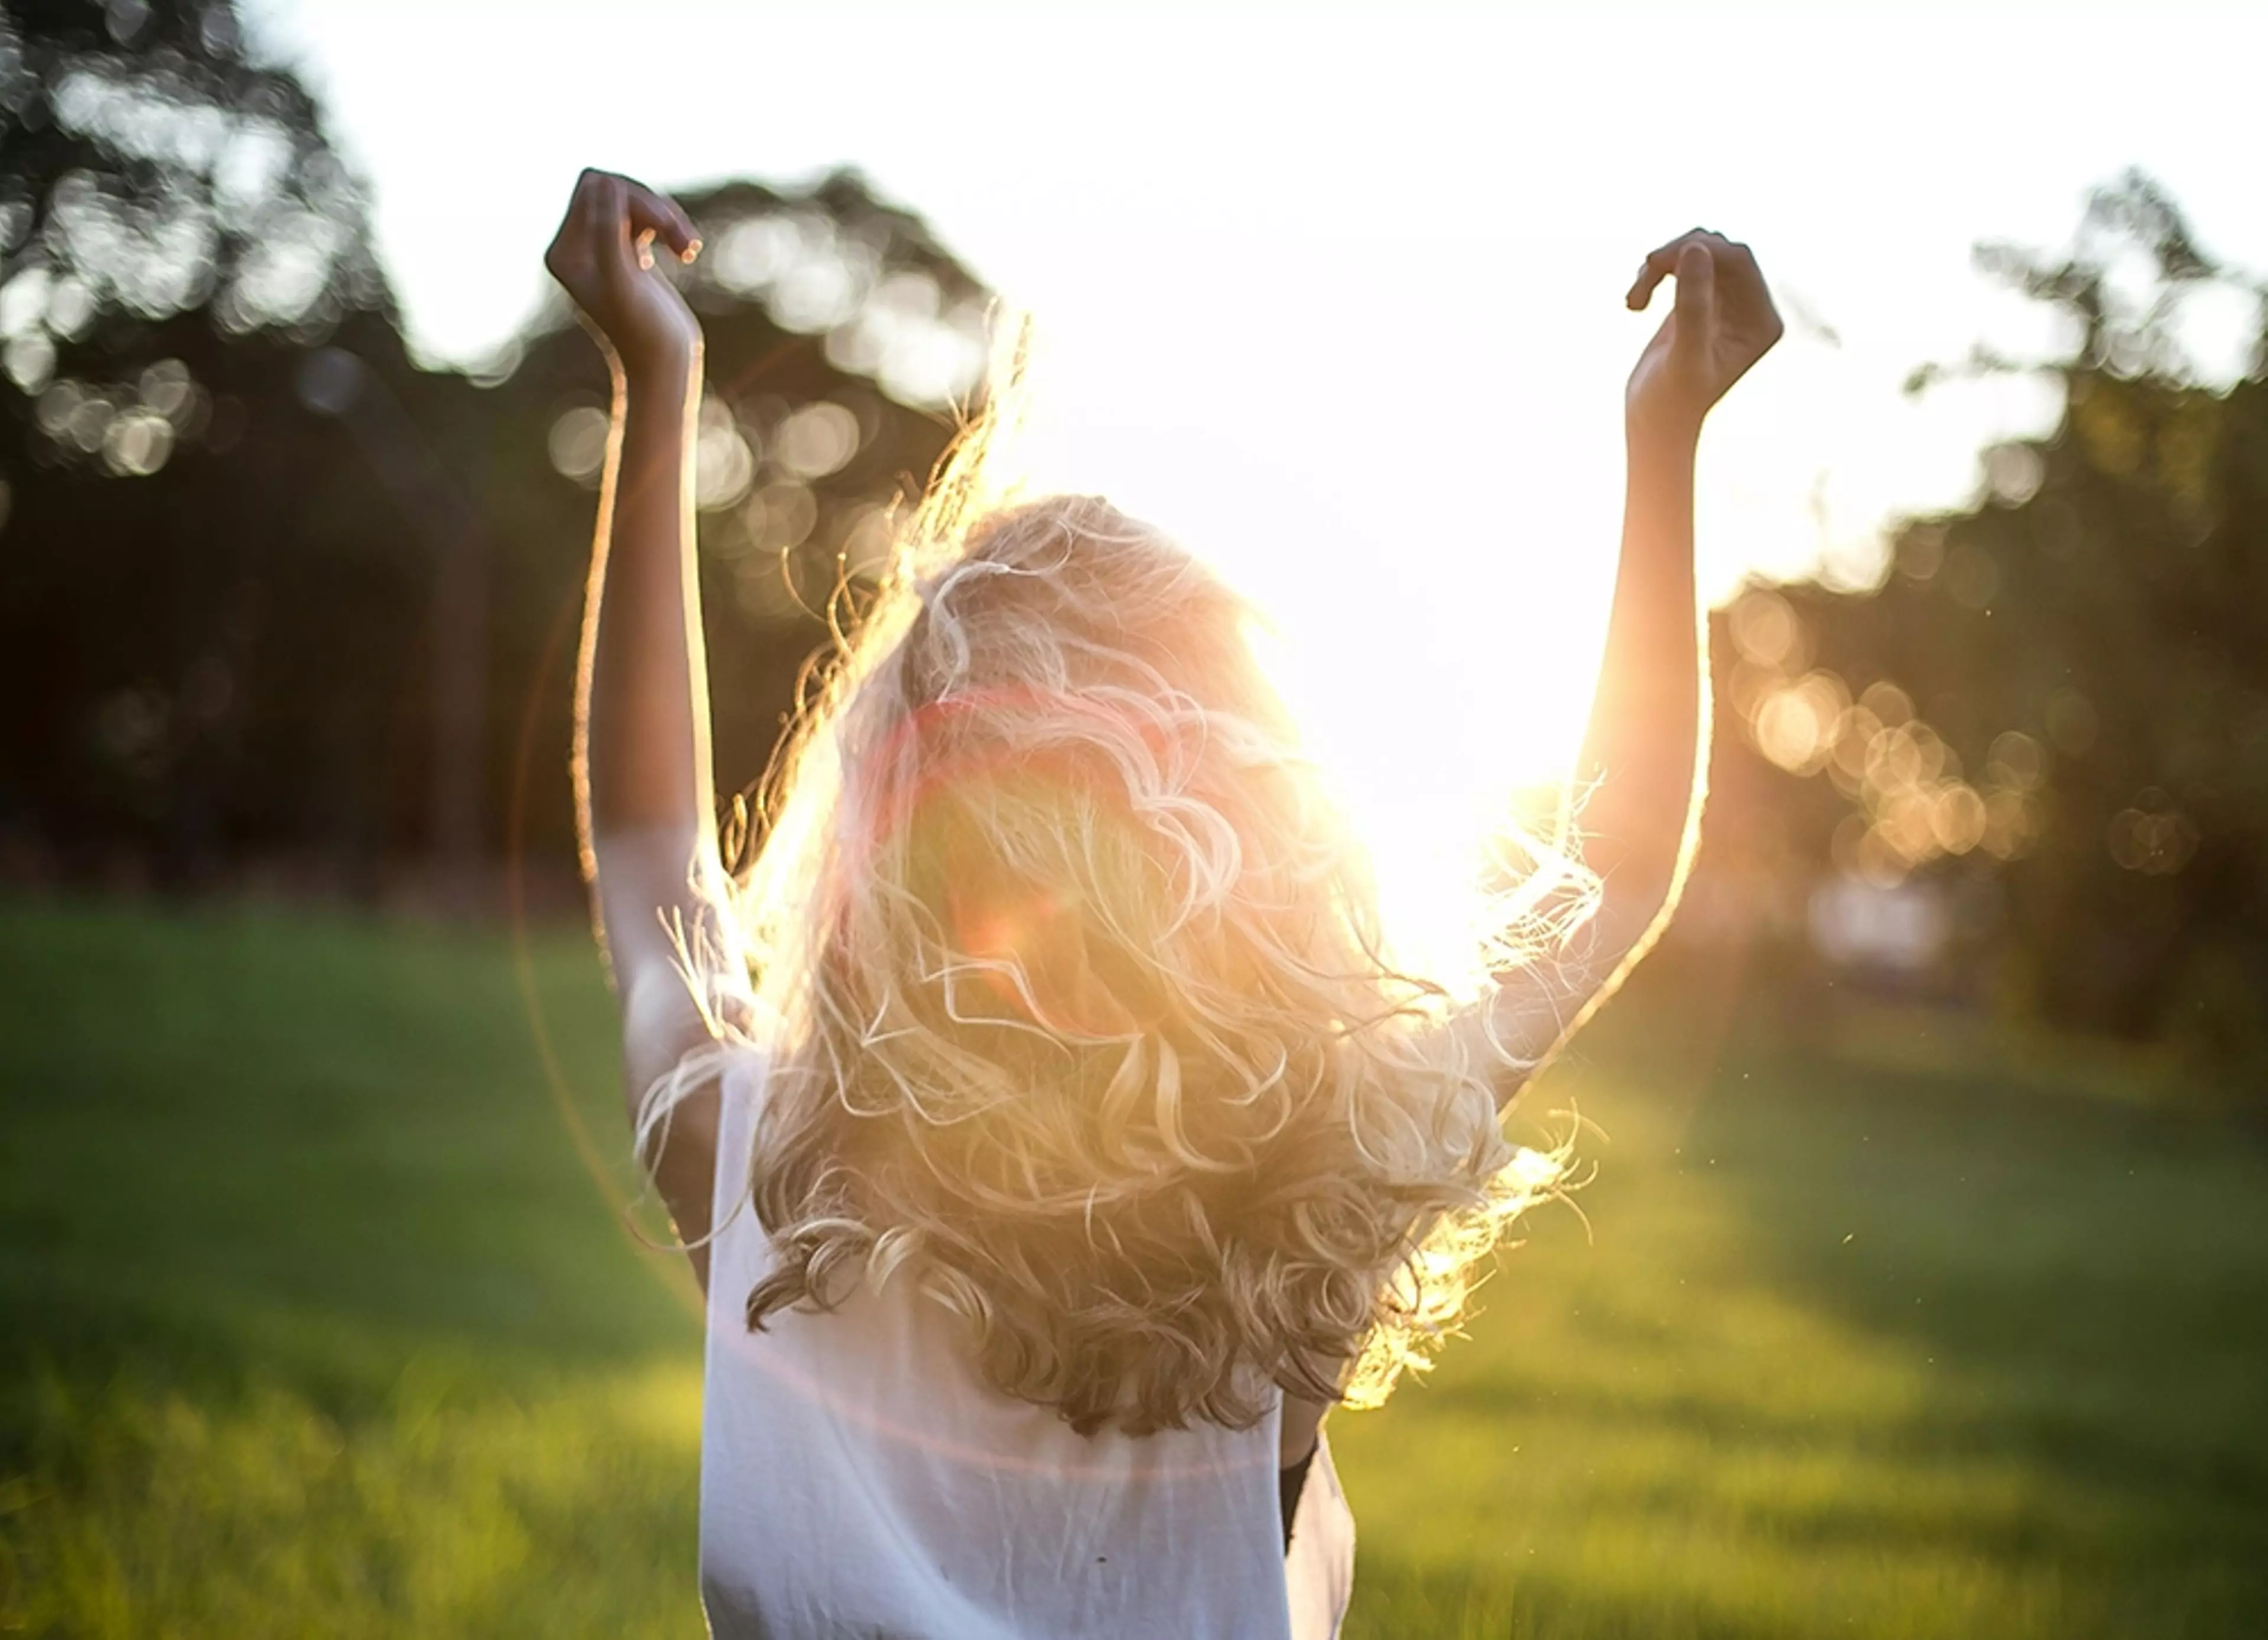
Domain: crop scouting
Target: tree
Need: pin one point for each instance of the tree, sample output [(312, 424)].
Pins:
[(2060, 697), (272, 594), (843, 344), (153, 169), (177, 232)]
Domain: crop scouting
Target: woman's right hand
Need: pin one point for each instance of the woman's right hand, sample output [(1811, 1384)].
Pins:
[(1723, 323), (603, 254)]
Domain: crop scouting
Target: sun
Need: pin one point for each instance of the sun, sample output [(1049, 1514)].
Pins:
[(1432, 566), (1428, 745), (1434, 679)]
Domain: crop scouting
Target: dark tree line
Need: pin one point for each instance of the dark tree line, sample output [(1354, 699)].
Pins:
[(2055, 713), (271, 593)]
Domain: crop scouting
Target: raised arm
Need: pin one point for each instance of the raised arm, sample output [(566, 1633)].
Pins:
[(1640, 760), (643, 793)]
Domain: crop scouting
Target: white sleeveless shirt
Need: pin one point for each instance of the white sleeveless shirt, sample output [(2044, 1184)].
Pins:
[(858, 1477)]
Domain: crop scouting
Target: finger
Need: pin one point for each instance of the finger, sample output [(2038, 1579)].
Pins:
[(1661, 262), (1696, 293), (573, 240), (578, 201), (652, 213), (613, 243)]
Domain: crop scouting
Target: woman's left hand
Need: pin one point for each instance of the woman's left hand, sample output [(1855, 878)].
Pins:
[(1723, 323)]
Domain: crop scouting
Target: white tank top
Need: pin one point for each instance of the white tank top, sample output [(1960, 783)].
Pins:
[(859, 1478)]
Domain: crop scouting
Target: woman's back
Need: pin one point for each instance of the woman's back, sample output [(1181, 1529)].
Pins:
[(858, 1477)]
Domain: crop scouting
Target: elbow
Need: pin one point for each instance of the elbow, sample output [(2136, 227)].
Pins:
[(1635, 901), (1642, 867), (1643, 880)]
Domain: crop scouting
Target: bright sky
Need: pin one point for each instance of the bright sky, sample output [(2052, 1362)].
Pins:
[(1334, 293)]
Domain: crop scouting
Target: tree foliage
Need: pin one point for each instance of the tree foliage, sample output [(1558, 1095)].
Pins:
[(2059, 702), (270, 592), (153, 168)]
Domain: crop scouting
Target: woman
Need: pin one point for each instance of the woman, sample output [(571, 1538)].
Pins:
[(1050, 1137)]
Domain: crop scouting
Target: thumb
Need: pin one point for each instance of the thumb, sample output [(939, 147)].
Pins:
[(1696, 296)]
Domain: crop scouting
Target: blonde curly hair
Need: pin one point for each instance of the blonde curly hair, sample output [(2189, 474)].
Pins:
[(1078, 1014)]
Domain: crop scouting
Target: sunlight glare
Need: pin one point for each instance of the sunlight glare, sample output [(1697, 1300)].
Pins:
[(1432, 677)]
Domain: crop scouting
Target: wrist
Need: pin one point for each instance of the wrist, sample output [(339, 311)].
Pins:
[(664, 373), (1662, 434)]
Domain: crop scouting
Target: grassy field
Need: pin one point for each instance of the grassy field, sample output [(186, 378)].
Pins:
[(314, 1322)]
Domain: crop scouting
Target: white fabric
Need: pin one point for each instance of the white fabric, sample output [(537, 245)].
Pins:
[(859, 1478)]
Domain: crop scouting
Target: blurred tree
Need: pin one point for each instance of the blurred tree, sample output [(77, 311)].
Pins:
[(843, 341), (152, 168), (175, 230), (2060, 700), (272, 594)]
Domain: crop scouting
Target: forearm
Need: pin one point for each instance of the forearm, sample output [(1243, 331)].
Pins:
[(643, 786), (1645, 757), (1638, 824), (1639, 759), (642, 780)]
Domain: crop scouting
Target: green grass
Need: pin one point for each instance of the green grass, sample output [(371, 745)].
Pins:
[(313, 1322)]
